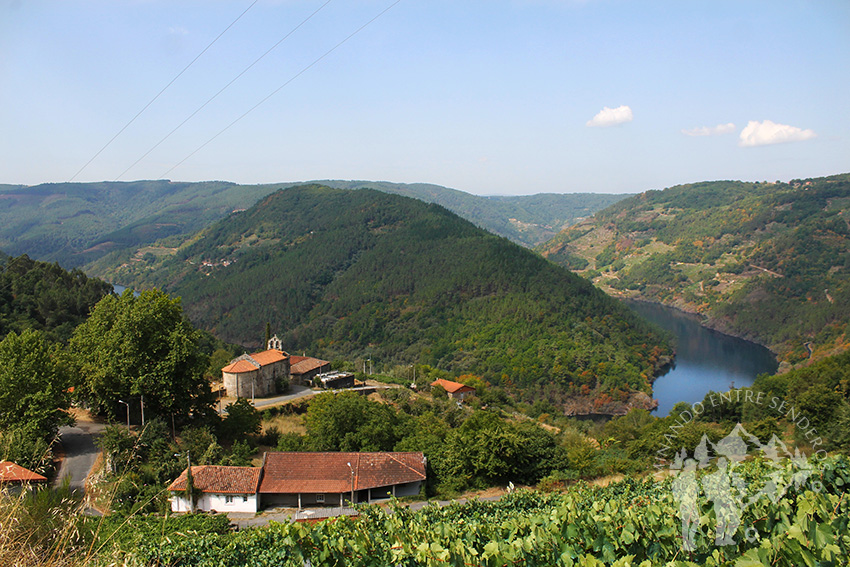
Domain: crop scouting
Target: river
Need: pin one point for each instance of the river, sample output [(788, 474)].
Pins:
[(705, 359)]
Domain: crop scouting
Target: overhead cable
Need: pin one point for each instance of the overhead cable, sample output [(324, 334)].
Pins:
[(127, 125), (274, 92), (213, 97)]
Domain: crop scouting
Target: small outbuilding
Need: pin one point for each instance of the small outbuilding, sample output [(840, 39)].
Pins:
[(334, 380), (455, 390), (300, 480), (302, 369), (14, 475)]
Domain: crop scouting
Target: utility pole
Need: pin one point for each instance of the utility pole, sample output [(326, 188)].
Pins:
[(143, 410), (352, 483), (128, 411)]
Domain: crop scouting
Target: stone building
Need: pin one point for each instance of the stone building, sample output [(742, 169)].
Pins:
[(257, 374)]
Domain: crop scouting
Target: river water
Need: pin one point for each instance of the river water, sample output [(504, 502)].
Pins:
[(705, 359)]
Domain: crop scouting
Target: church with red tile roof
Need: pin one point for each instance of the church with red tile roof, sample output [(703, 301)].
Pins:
[(257, 374)]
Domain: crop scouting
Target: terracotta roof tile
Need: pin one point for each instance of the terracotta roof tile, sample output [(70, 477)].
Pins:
[(269, 356), (240, 366), (305, 364), (221, 480), (452, 387), (10, 472), (293, 472), (251, 362)]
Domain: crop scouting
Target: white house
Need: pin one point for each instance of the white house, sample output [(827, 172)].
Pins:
[(302, 479), (219, 489)]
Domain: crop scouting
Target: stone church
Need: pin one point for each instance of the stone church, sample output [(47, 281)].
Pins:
[(257, 374)]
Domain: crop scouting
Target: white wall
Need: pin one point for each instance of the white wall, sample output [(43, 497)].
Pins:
[(217, 502)]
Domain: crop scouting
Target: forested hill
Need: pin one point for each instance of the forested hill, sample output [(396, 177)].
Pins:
[(526, 219), (367, 274), (42, 296), (767, 261), (77, 223)]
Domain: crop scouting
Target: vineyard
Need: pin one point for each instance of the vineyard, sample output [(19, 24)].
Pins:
[(630, 523)]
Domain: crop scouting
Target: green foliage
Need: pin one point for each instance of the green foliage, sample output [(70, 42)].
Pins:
[(33, 398), (351, 422), (626, 523), (33, 384), (360, 274), (119, 448), (141, 346), (242, 419), (36, 295)]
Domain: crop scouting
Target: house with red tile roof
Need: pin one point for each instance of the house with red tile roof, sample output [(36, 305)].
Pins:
[(302, 369), (257, 374), (303, 479), (218, 488), (14, 474), (455, 390), (298, 480)]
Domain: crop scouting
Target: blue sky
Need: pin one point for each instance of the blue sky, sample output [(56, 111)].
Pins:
[(496, 97)]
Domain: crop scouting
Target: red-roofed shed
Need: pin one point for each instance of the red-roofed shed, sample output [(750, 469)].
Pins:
[(11, 473), (455, 390), (299, 479)]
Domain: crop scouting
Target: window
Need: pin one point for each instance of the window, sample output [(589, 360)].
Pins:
[(228, 499), (320, 498), (245, 498)]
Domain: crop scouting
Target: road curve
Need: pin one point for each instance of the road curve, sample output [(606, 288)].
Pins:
[(80, 453)]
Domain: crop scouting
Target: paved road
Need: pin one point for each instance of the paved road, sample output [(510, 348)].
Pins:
[(295, 392), (80, 453)]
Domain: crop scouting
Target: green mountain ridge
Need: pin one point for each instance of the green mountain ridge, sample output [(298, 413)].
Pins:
[(527, 219), (79, 223), (362, 273), (766, 261)]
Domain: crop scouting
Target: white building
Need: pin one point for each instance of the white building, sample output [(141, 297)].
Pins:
[(219, 489)]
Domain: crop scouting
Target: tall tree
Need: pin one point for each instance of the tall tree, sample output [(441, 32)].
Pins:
[(33, 397), (134, 346)]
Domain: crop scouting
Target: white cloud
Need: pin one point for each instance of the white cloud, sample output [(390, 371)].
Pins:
[(611, 116), (178, 30), (767, 132), (718, 130)]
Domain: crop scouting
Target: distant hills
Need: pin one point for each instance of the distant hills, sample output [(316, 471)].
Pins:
[(527, 219), (766, 261), (344, 273), (78, 223)]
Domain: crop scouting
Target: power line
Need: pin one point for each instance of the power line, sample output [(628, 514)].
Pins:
[(274, 92), (213, 97), (192, 62)]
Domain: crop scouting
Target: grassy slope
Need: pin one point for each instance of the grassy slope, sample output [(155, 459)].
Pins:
[(766, 261)]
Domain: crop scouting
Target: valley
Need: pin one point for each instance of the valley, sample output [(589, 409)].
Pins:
[(764, 261)]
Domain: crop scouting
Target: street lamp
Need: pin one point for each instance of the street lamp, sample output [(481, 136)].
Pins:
[(128, 411)]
